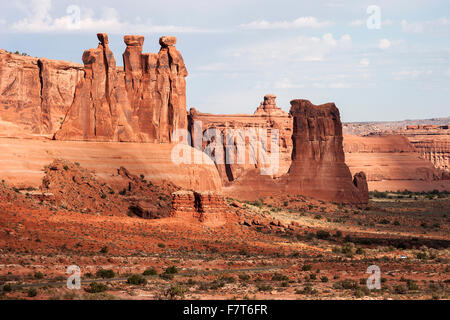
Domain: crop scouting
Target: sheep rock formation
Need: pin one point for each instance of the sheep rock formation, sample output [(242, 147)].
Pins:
[(318, 162), (144, 102)]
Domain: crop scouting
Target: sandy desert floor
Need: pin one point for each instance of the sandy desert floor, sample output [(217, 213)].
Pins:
[(291, 248)]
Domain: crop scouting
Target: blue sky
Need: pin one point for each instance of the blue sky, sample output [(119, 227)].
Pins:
[(237, 51)]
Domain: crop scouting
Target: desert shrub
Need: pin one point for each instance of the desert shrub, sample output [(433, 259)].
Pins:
[(166, 276), (171, 270), (175, 291), (7, 288), (32, 292), (324, 279), (348, 249), (422, 256), (150, 272), (136, 279), (161, 245), (38, 275), (263, 287), (321, 234), (346, 284), (306, 267), (400, 289), (412, 285), (312, 276), (307, 290), (279, 277), (104, 249), (96, 287), (105, 274)]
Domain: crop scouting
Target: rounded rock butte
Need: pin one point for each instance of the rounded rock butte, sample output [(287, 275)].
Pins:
[(168, 41), (134, 40)]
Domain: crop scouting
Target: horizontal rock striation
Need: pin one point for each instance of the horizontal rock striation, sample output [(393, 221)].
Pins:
[(197, 204), (240, 128)]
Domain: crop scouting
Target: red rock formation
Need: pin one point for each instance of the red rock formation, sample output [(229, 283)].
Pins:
[(391, 163), (145, 102), (432, 142), (268, 116), (318, 166), (197, 204), (100, 110), (35, 93), (318, 162), (157, 88)]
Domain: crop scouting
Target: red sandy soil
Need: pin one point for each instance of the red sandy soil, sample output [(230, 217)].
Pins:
[(287, 248)]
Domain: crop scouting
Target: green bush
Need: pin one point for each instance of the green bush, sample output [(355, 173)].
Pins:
[(175, 292), (38, 275), (150, 272), (279, 277), (412, 285), (321, 234), (7, 288), (324, 279), (105, 274), (306, 267), (171, 270), (32, 292), (136, 279), (96, 287), (346, 284)]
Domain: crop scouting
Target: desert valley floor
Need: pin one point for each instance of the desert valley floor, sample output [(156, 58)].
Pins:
[(279, 248)]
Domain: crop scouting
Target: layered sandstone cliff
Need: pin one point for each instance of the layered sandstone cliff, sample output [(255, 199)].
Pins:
[(432, 142), (318, 166), (35, 93), (145, 102), (391, 163), (241, 133)]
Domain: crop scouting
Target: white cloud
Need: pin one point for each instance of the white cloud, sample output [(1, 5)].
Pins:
[(39, 20), (448, 72), (340, 85), (285, 83), (439, 25), (411, 74), (364, 62), (300, 49), (302, 22), (384, 44), (360, 22)]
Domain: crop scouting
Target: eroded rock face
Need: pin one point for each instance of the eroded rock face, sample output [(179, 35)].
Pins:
[(156, 86), (318, 166), (240, 128), (388, 161), (197, 204), (145, 102), (100, 110), (318, 162), (36, 93)]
